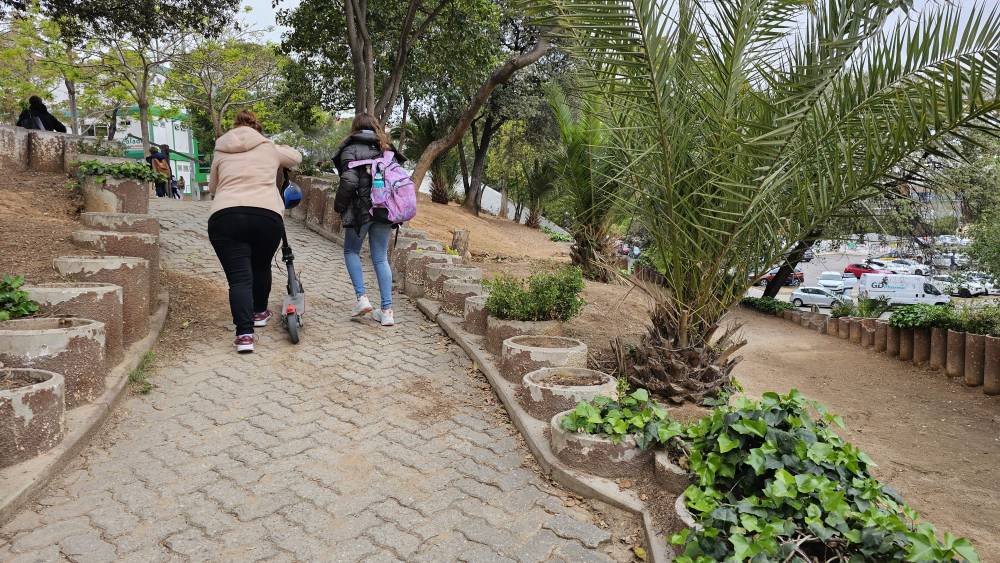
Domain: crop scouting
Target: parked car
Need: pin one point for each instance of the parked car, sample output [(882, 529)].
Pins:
[(989, 284), (797, 277), (947, 239), (959, 285), (808, 255), (860, 269), (819, 296), (900, 289), (947, 260), (836, 281), (907, 266)]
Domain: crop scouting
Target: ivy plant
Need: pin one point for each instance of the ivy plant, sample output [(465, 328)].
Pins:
[(14, 302), (924, 316), (773, 483), (633, 415), (100, 171)]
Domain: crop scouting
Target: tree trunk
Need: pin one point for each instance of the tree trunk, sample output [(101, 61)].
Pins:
[(113, 125), (460, 242), (402, 127), (216, 122), (439, 184), (74, 113), (503, 201), (498, 77), (482, 148), (143, 104), (788, 266), (534, 214), (463, 164)]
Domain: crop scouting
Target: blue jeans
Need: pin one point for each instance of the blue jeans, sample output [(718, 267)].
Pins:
[(378, 243)]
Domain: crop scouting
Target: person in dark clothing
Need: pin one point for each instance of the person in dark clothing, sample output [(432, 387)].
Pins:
[(37, 116), (158, 162), (354, 203)]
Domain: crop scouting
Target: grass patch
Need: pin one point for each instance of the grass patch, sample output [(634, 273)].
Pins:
[(139, 376)]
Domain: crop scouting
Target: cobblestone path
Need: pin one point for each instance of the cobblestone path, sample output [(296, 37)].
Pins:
[(361, 443)]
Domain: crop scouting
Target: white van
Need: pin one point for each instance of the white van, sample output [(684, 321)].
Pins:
[(900, 289)]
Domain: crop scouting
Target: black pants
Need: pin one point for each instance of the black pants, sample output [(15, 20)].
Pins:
[(245, 240)]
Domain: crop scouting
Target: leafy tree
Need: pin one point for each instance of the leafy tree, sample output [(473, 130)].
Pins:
[(23, 71), (744, 126), (974, 180), (985, 247)]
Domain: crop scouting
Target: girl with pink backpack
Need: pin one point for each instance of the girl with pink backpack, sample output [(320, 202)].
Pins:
[(373, 198)]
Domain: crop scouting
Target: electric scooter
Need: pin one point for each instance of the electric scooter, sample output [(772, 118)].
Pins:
[(295, 300)]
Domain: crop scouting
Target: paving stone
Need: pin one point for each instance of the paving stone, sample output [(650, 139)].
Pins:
[(347, 448)]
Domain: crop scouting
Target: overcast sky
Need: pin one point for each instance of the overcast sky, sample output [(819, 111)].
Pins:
[(262, 16)]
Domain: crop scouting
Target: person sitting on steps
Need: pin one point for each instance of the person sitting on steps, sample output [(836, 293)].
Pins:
[(353, 201)]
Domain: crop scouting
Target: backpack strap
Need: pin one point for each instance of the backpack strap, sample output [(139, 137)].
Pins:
[(386, 157)]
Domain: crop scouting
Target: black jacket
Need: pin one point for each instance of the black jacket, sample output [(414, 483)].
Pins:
[(49, 121), (354, 194)]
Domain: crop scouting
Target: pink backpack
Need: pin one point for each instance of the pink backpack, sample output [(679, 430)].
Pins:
[(397, 194)]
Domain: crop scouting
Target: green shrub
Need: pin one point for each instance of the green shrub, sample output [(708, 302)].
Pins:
[(556, 237), (984, 320), (544, 297), (775, 484), (634, 415), (14, 302), (101, 170), (768, 305), (872, 308), (845, 309), (923, 316)]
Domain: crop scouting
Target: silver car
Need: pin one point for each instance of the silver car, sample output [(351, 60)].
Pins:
[(822, 297)]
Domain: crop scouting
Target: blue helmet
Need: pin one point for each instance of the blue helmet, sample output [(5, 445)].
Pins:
[(292, 195)]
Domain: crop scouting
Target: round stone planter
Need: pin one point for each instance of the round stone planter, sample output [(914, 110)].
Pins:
[(121, 222), (139, 245), (844, 328), (115, 195), (786, 314), (475, 314), (411, 233), (795, 317), (455, 292), (130, 273), (401, 253), (435, 274), (47, 149), (817, 322), (416, 262), (548, 391), (855, 330), (955, 363), (921, 346), (991, 366), (975, 350), (906, 344), (521, 355), (832, 325), (69, 346), (597, 455), (86, 300), (939, 348), (498, 330), (669, 475), (881, 331), (867, 333), (891, 341), (32, 413)]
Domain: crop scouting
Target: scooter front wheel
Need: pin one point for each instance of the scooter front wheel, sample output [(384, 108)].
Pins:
[(294, 324)]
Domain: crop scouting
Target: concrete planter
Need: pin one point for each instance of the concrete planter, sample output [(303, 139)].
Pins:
[(115, 195), (129, 273), (844, 328), (87, 300), (121, 222), (855, 330), (305, 184), (955, 363), (436, 273), (991, 366), (69, 346), (817, 322), (331, 221), (499, 330), (14, 152), (921, 346), (416, 262), (521, 355), (454, 294), (867, 333), (548, 391), (906, 344), (72, 159), (669, 475), (475, 315), (795, 317), (32, 413), (892, 341), (881, 331), (46, 151), (139, 245), (597, 455), (401, 254), (786, 314), (832, 326), (939, 348), (975, 351), (410, 232), (316, 203)]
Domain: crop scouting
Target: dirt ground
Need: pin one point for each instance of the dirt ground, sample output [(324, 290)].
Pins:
[(38, 213), (936, 441)]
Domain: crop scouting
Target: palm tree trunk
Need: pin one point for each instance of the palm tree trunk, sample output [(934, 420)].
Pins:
[(788, 266)]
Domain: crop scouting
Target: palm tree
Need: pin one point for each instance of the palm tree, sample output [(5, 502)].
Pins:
[(744, 125), (539, 183), (584, 178), (422, 129)]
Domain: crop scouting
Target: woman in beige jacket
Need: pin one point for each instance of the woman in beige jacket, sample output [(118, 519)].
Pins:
[(246, 223)]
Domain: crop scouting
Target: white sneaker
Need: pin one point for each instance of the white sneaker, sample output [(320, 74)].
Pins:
[(384, 317), (362, 307)]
